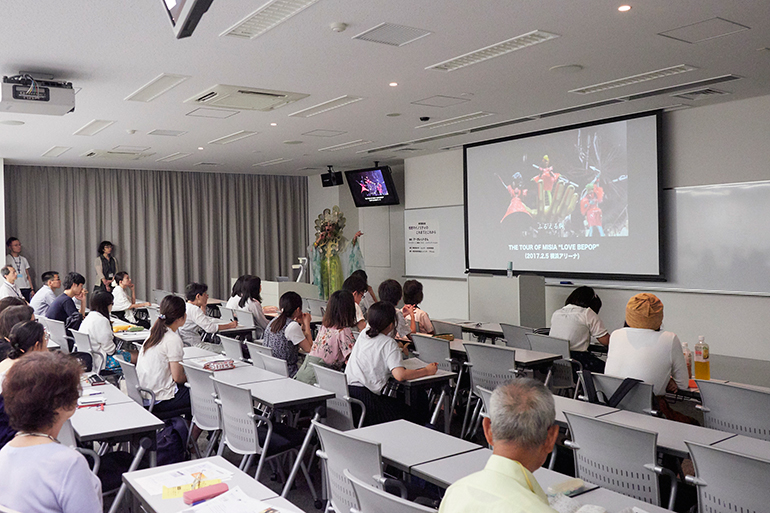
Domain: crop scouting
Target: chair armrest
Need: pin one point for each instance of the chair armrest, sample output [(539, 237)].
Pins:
[(575, 362), (662, 471), (152, 397), (92, 454), (702, 408), (393, 483), (416, 353), (694, 480), (322, 454), (583, 398), (468, 364), (353, 400), (571, 444), (653, 413)]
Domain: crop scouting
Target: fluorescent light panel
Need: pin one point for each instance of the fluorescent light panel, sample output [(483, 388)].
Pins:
[(94, 127), (56, 151), (272, 162), (336, 103), (635, 79), (344, 146), (237, 136), (458, 119), (267, 17), (167, 133), (156, 87), (496, 50), (174, 156)]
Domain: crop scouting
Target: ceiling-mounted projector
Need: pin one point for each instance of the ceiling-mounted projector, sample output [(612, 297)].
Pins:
[(28, 95)]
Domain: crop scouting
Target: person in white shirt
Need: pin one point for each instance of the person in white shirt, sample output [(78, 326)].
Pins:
[(250, 301), (23, 281), (124, 300), (197, 298), (369, 297), (8, 288), (390, 291), (413, 296), (98, 327), (642, 351), (356, 286), (46, 295), (577, 322), (375, 357)]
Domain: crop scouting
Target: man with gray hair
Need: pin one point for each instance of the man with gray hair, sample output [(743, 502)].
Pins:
[(8, 286), (521, 429)]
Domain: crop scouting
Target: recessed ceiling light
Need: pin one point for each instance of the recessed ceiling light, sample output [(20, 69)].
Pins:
[(12, 122), (94, 127), (393, 114), (566, 68), (273, 124), (624, 8), (393, 84), (237, 136), (292, 142), (200, 147)]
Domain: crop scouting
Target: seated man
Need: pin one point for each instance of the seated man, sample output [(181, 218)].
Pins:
[(64, 306), (8, 286), (642, 351), (197, 296), (522, 431), (46, 295)]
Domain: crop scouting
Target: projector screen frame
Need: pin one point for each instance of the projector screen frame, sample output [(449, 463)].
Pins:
[(660, 277)]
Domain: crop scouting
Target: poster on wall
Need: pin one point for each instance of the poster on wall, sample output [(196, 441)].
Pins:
[(434, 242), (423, 237)]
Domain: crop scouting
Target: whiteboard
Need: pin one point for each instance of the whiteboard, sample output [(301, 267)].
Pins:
[(434, 242)]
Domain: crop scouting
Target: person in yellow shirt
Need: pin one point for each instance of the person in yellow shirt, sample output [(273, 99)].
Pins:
[(521, 429)]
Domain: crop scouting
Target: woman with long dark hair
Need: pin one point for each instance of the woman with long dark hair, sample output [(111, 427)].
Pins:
[(285, 333), (98, 326)]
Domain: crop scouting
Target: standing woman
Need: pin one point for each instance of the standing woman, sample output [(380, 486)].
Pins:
[(106, 266), (285, 333), (39, 474), (335, 340)]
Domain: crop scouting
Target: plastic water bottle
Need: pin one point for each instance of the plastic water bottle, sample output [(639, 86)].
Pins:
[(702, 365), (687, 358)]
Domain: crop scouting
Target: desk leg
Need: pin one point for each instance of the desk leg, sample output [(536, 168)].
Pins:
[(300, 455), (448, 402)]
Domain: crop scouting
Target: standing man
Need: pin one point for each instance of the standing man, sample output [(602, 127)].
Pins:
[(521, 430), (46, 295), (23, 281), (8, 287)]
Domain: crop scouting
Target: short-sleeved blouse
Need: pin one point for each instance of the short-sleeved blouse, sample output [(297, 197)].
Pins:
[(333, 346)]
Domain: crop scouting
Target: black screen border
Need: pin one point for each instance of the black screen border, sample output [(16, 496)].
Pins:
[(392, 196)]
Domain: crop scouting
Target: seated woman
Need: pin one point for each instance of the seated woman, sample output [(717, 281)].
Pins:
[(39, 474), (159, 367), (334, 341), (237, 292), (285, 334), (251, 301), (577, 322), (26, 337), (124, 300), (10, 316), (413, 296), (98, 326), (374, 358)]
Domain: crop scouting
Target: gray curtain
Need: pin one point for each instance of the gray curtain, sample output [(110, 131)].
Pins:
[(168, 228)]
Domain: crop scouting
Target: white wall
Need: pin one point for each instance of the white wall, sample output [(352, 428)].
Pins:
[(2, 202), (722, 143)]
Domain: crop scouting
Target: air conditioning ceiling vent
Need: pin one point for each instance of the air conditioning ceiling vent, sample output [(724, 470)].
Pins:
[(244, 98)]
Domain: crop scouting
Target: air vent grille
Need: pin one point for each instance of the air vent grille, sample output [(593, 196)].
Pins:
[(635, 79), (392, 34), (267, 17), (244, 98), (701, 94)]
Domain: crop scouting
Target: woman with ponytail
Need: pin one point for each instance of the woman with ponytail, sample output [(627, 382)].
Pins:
[(285, 333), (159, 367)]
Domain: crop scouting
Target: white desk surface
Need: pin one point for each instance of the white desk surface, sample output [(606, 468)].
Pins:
[(133, 336), (156, 504), (576, 406), (283, 505), (405, 445), (111, 393), (245, 375), (523, 357), (116, 420), (671, 435), (196, 352), (439, 376), (746, 445), (287, 393)]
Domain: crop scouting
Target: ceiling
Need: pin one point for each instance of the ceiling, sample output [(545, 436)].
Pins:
[(108, 50)]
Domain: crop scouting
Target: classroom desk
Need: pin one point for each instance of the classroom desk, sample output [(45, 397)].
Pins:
[(109, 392), (137, 337), (575, 406), (196, 352), (245, 375), (156, 503), (440, 379), (525, 358), (119, 422), (405, 445), (482, 330), (746, 445), (671, 435)]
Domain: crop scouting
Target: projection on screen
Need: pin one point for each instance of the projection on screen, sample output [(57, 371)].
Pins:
[(576, 200)]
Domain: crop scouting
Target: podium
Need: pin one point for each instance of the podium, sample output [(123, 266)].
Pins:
[(519, 300), (273, 290)]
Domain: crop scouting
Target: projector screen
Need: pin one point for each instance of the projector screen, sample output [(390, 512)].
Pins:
[(573, 201)]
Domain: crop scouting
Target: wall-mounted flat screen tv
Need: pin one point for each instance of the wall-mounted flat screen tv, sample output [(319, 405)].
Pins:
[(185, 15), (372, 187)]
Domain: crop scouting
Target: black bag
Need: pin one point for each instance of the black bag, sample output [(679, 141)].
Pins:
[(593, 397), (73, 322), (172, 440)]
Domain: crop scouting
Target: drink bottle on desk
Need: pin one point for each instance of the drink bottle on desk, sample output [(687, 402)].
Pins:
[(702, 365)]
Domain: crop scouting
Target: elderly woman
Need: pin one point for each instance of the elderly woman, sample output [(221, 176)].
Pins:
[(41, 392)]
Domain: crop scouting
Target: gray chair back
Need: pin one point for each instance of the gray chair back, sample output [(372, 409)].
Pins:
[(58, 333), (276, 365), (616, 457), (374, 500), (255, 353), (560, 376), (159, 294), (133, 389), (516, 336), (432, 349), (727, 481), (442, 327), (489, 365), (638, 399), (153, 312), (232, 348), (245, 319), (735, 409), (486, 397), (316, 307), (204, 409), (226, 314), (83, 343), (339, 413)]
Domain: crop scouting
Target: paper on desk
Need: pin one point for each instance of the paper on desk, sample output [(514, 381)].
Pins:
[(183, 476), (413, 363), (232, 501), (178, 491), (203, 360)]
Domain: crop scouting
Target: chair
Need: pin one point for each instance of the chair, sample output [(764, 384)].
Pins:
[(339, 411), (133, 389), (83, 343), (363, 458), (735, 409), (442, 327), (639, 399), (316, 307), (250, 434), (727, 482), (489, 367), (159, 294), (486, 397), (374, 500), (58, 333), (245, 319), (232, 348), (226, 314), (432, 349), (560, 375), (516, 336), (276, 365), (205, 410), (619, 458), (153, 312), (67, 438), (255, 353)]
